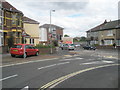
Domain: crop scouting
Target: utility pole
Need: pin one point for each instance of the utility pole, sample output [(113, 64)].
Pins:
[(51, 31)]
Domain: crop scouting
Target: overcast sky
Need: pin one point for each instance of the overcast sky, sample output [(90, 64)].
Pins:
[(75, 16)]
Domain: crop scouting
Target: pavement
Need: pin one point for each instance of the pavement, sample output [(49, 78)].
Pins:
[(114, 54)]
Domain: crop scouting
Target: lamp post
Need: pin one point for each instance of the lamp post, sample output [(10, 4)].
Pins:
[(51, 31)]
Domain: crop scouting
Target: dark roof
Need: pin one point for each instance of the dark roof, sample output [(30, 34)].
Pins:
[(99, 27), (52, 25), (9, 7), (112, 25), (106, 25), (28, 20)]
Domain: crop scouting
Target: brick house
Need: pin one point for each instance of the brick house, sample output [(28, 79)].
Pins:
[(56, 33), (12, 23)]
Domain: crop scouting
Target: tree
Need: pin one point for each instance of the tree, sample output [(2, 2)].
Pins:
[(66, 35), (83, 38), (55, 43)]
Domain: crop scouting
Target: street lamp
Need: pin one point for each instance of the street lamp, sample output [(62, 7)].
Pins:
[(51, 31)]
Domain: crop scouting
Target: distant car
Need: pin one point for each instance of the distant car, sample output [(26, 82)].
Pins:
[(77, 45), (87, 47), (18, 49), (68, 47)]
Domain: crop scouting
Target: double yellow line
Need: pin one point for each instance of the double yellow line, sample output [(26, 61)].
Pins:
[(61, 79)]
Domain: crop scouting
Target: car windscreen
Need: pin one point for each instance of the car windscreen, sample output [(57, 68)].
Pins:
[(17, 46), (71, 44)]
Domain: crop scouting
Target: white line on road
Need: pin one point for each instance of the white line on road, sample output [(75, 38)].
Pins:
[(63, 63), (71, 59), (52, 65), (25, 88), (9, 77), (108, 61), (47, 66), (28, 62), (97, 62), (66, 60), (78, 58)]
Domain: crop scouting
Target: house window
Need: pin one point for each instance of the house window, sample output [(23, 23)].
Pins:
[(110, 33), (118, 42), (14, 19), (31, 41), (1, 38), (108, 42)]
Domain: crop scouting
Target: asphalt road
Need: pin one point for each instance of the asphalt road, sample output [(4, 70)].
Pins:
[(38, 74)]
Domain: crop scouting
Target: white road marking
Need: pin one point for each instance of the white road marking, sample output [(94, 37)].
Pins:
[(71, 59), (78, 58), (25, 88), (28, 62), (63, 63), (66, 60), (97, 62), (47, 66), (52, 65), (108, 61), (91, 59), (8, 77)]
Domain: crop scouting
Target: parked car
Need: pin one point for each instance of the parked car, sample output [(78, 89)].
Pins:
[(18, 49), (68, 47), (77, 45), (88, 47)]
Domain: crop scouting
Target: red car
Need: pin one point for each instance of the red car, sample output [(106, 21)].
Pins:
[(18, 49)]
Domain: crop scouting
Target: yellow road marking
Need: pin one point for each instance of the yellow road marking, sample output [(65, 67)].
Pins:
[(61, 79)]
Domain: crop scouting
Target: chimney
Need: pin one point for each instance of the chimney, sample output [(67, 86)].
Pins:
[(105, 21)]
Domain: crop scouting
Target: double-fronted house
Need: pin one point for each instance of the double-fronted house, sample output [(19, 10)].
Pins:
[(47, 34), (93, 34), (13, 25), (31, 28), (107, 33)]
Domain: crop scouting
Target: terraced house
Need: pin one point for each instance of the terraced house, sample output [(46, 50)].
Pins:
[(13, 25), (107, 33)]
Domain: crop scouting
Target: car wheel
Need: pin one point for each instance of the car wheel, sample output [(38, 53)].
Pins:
[(25, 55), (62, 48), (36, 54), (12, 55)]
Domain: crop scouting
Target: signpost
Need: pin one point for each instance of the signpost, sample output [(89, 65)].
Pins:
[(24, 35)]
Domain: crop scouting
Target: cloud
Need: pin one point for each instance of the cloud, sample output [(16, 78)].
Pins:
[(76, 16)]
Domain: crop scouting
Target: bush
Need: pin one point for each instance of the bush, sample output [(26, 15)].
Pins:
[(43, 46)]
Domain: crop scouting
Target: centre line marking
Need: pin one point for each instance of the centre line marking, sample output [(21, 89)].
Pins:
[(52, 65), (71, 59), (8, 77), (47, 66)]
